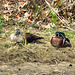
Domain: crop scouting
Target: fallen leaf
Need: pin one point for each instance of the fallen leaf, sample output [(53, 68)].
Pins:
[(21, 2), (17, 16), (50, 16), (3, 36)]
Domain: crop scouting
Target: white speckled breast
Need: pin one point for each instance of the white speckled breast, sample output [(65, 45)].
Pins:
[(18, 38)]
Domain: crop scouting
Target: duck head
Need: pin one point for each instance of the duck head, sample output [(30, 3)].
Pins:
[(17, 32)]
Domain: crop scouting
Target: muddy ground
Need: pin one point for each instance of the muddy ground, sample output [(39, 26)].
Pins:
[(39, 58)]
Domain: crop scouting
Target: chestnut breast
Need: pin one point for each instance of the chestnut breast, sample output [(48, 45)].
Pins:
[(56, 41)]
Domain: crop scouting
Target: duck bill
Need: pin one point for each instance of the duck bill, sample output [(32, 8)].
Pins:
[(55, 35)]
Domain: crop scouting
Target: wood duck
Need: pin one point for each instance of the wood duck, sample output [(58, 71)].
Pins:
[(18, 37), (60, 40)]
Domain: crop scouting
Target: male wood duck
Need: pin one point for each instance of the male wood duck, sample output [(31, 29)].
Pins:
[(18, 37), (60, 40)]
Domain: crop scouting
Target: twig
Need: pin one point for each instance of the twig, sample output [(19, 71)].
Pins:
[(33, 3), (67, 6), (59, 17)]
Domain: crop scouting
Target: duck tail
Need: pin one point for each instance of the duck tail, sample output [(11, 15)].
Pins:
[(39, 38), (68, 41)]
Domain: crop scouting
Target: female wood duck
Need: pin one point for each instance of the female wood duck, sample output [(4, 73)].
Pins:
[(60, 40), (18, 37)]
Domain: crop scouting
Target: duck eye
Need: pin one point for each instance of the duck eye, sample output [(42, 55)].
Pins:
[(57, 34)]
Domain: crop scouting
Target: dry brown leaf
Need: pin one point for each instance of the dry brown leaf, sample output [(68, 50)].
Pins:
[(50, 16), (3, 36), (44, 14), (21, 2), (17, 16)]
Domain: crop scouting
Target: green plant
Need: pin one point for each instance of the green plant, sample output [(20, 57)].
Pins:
[(12, 19), (1, 21), (37, 12), (20, 23), (9, 21), (61, 2), (54, 18), (25, 29)]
